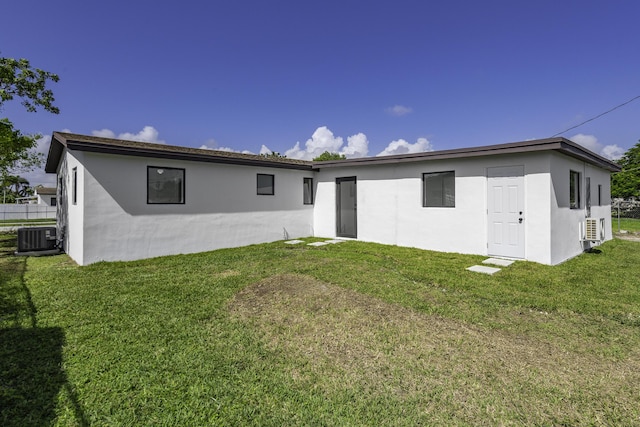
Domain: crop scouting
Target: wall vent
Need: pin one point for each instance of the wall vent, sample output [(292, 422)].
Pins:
[(594, 229), (36, 239)]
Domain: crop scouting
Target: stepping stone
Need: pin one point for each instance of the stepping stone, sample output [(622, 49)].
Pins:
[(483, 269), (334, 241), (293, 242), (318, 244), (498, 261)]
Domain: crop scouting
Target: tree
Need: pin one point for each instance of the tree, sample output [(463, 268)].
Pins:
[(19, 79), (17, 151), (329, 156), (626, 183), (14, 187), (273, 155)]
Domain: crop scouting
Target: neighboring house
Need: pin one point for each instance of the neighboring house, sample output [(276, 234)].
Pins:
[(46, 196), (125, 200)]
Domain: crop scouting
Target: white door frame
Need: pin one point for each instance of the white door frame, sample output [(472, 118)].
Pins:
[(505, 212)]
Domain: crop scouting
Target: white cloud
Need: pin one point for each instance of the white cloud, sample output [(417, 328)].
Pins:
[(323, 140), (401, 146), (399, 110), (147, 134), (265, 150), (590, 142), (613, 152), (213, 145)]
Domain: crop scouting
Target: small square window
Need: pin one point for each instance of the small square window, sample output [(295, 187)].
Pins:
[(266, 184), (439, 189), (54, 201), (165, 185), (308, 191)]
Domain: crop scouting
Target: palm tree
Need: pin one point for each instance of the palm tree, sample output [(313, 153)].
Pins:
[(14, 186)]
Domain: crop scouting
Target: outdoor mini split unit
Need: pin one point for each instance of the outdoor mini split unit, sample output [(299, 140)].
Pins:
[(594, 229), (33, 239)]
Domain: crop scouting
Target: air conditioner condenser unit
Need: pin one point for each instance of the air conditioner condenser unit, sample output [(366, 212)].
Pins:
[(594, 229)]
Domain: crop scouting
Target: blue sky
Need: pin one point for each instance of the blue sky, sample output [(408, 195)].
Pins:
[(358, 77)]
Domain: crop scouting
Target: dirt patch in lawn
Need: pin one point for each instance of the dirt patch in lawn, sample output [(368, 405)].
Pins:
[(335, 338)]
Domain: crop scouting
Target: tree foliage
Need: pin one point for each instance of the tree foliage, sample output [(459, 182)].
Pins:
[(273, 155), (17, 151), (626, 183), (14, 187), (19, 79), (329, 156)]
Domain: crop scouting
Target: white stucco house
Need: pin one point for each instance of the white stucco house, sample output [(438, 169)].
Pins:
[(125, 200), (46, 196)]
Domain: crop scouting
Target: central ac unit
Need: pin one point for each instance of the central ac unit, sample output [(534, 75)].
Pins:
[(36, 239), (594, 229)]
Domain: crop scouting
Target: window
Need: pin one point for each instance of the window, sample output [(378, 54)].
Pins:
[(74, 186), (599, 194), (165, 185), (439, 189), (54, 201), (574, 190), (587, 195), (307, 188), (265, 184)]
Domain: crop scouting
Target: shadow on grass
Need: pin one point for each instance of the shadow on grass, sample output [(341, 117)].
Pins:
[(31, 360)]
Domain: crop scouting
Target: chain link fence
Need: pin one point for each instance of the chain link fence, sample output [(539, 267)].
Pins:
[(625, 215)]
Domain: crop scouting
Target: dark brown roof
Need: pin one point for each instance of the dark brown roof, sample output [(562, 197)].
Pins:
[(561, 145), (71, 141), (61, 140)]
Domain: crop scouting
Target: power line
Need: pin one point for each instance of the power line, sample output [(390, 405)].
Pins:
[(598, 116)]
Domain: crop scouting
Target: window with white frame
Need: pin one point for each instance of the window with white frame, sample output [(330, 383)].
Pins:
[(439, 189)]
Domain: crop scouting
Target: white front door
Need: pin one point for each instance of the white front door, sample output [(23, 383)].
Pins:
[(505, 199)]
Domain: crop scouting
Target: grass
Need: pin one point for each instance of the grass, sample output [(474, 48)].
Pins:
[(629, 224), (26, 221), (348, 334)]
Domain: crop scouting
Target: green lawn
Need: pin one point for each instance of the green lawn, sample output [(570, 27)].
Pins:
[(26, 221), (347, 334), (628, 224)]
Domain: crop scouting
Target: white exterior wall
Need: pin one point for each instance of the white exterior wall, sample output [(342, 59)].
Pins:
[(567, 225), (112, 220), (71, 216), (390, 211), (221, 209), (44, 199)]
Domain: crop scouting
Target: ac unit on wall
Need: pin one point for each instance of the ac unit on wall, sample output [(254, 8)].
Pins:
[(36, 239), (594, 229)]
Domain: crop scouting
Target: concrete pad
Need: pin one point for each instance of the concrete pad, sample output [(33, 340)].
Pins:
[(317, 244), (498, 261), (334, 241), (483, 269), (293, 242)]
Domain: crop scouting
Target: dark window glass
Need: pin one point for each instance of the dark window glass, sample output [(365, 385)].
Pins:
[(574, 190), (165, 185), (266, 184), (74, 186), (439, 189), (308, 191)]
